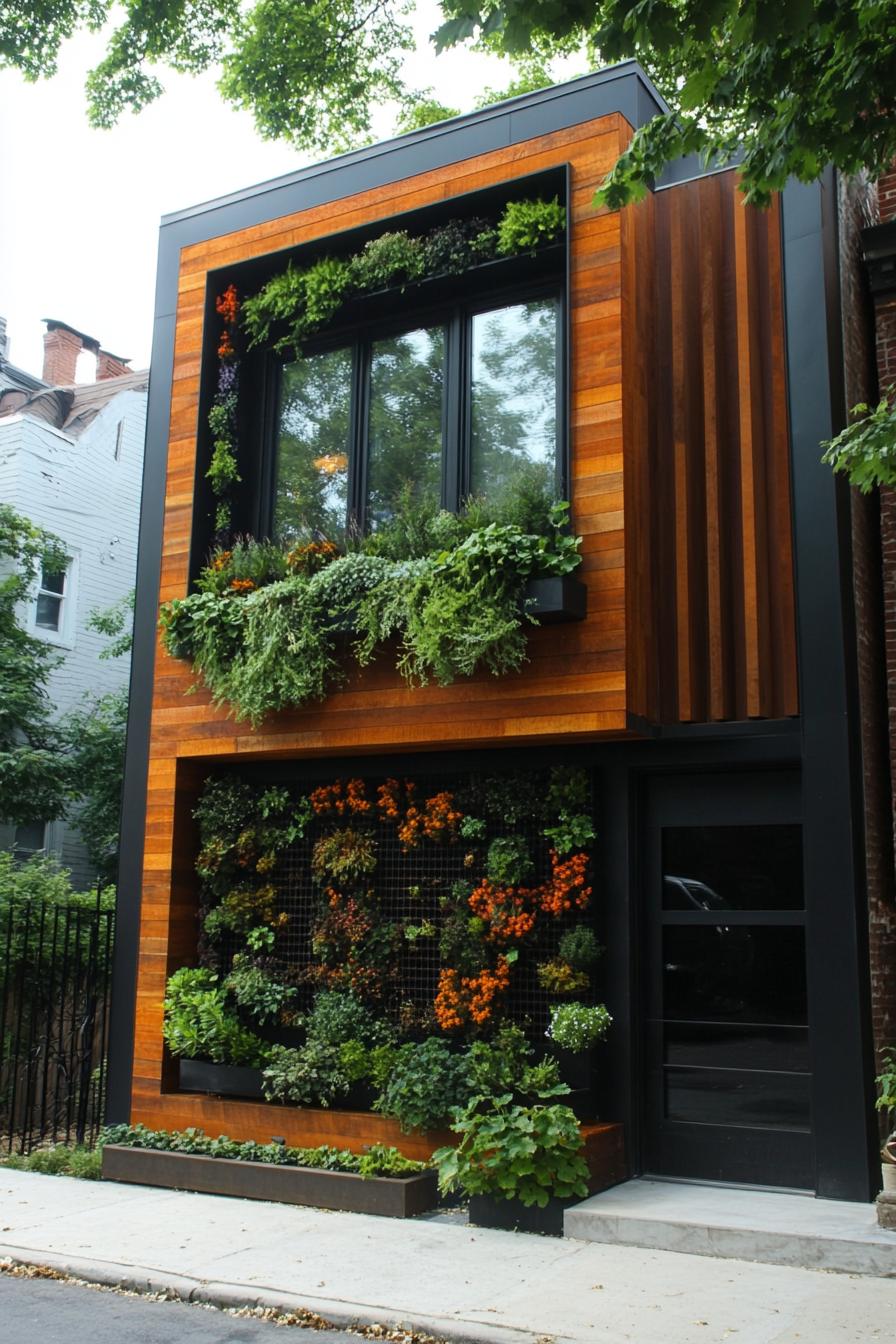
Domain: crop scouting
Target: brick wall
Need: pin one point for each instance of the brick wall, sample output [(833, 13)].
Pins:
[(882, 913)]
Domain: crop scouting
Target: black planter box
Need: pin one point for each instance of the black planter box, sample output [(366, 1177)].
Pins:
[(555, 599), (513, 1216), (576, 1068), (551, 600), (388, 1196), (223, 1080)]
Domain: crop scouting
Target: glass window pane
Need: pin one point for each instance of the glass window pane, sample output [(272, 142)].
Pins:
[(514, 396), (407, 378), (29, 837), (735, 973), (728, 1097), (731, 1045), (732, 868), (49, 610), (311, 485), (53, 582)]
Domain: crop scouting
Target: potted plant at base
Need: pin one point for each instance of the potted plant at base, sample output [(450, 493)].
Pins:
[(886, 1102), (520, 1165)]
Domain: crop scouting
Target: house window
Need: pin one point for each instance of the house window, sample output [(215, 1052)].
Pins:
[(30, 839), (460, 403), (51, 596)]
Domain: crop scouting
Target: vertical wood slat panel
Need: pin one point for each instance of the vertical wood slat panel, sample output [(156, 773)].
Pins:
[(720, 512)]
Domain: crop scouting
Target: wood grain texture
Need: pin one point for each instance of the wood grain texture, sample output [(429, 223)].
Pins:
[(680, 492), (723, 603)]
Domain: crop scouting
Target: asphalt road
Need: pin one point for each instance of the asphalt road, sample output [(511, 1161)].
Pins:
[(50, 1311)]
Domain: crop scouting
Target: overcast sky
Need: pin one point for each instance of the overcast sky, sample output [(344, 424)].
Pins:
[(80, 208)]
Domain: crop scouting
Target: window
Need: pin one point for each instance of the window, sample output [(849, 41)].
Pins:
[(50, 600), (30, 839), (460, 402)]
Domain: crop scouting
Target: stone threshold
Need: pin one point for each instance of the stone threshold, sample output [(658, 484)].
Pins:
[(771, 1227)]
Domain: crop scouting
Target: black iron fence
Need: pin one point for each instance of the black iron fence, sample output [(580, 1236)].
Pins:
[(55, 976)]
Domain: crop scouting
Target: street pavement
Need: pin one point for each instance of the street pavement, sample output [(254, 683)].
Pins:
[(50, 1311), (435, 1273)]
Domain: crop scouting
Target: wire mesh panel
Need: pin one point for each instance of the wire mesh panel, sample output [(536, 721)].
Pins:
[(406, 889), (55, 974)]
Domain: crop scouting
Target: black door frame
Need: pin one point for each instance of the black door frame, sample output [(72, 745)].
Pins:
[(757, 1154)]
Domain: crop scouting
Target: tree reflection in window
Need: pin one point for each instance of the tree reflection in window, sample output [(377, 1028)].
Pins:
[(311, 483), (407, 381), (513, 395)]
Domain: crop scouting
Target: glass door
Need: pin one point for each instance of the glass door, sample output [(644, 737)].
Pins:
[(727, 1093)]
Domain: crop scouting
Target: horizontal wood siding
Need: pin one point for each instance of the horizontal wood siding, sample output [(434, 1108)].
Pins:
[(573, 688)]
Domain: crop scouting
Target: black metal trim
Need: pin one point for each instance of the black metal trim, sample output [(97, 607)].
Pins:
[(836, 954)]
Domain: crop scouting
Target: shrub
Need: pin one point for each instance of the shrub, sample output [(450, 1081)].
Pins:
[(344, 853), (393, 258), (526, 225), (558, 977), (85, 1163), (579, 947), (338, 1018), (529, 1153), (377, 1161), (425, 1081), (198, 1024), (509, 861), (259, 993), (310, 1076), (577, 1026)]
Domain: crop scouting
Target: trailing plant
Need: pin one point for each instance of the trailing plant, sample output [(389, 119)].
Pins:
[(509, 1151), (527, 225), (297, 302), (865, 451), (199, 1025), (578, 1026), (310, 1076), (378, 1160), (262, 642), (223, 471), (425, 1081)]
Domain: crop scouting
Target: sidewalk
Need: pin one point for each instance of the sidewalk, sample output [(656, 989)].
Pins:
[(454, 1281)]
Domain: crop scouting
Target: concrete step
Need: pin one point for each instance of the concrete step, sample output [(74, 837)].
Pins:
[(770, 1227)]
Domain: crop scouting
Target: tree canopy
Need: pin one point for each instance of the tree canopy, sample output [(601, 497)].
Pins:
[(35, 772), (788, 87)]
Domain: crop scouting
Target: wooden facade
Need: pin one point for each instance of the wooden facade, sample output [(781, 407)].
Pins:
[(680, 491), (688, 473)]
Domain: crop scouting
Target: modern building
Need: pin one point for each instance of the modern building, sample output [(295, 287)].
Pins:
[(71, 460), (710, 689)]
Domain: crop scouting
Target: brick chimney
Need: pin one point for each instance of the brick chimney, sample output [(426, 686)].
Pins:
[(110, 366), (62, 346)]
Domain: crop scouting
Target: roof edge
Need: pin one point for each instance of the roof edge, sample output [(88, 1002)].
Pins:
[(623, 70)]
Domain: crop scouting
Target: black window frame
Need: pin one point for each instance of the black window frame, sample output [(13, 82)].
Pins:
[(493, 283), (457, 319)]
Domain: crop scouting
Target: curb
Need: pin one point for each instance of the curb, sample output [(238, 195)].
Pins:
[(338, 1315)]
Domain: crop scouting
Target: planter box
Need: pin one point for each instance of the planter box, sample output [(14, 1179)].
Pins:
[(389, 1196), (221, 1080), (604, 1154), (551, 601), (555, 599), (513, 1216)]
